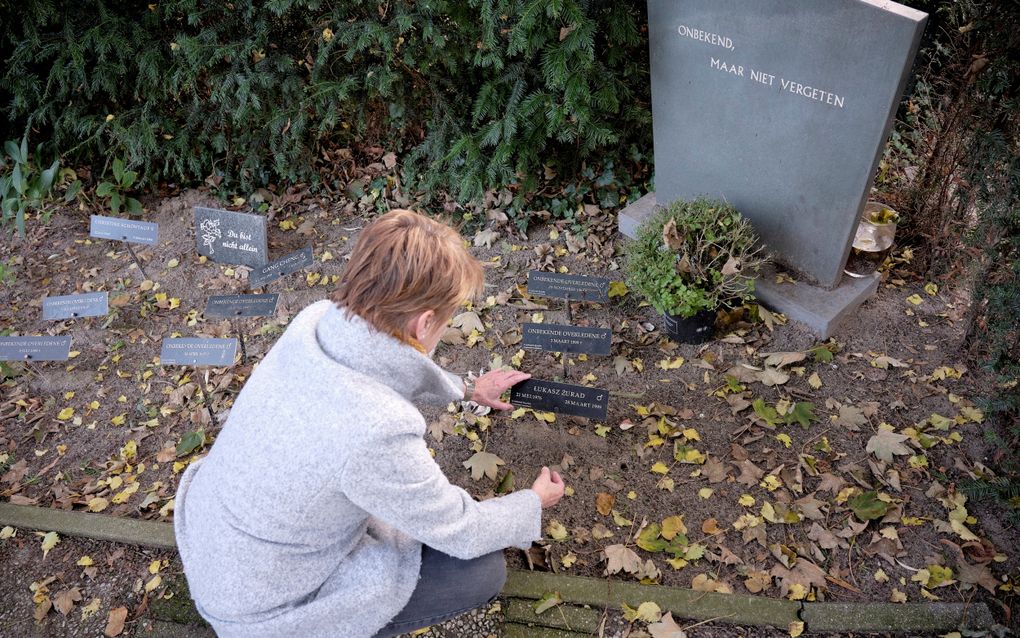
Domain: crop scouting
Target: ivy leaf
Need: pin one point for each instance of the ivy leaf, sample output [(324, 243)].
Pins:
[(868, 507), (802, 412), (190, 442), (506, 484), (484, 463)]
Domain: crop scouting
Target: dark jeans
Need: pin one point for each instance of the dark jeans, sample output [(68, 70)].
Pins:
[(448, 587)]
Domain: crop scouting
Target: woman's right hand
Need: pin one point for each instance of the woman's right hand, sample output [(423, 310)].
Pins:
[(549, 486)]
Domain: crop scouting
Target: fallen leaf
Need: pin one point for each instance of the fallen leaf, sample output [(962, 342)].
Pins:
[(65, 599), (547, 602), (887, 443), (666, 628), (621, 558), (604, 503), (115, 622), (484, 463), (49, 541)]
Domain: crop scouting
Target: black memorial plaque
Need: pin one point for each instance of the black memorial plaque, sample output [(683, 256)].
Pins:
[(35, 348), (129, 230), (241, 305), (285, 265), (555, 338), (189, 351), (93, 304), (573, 287), (564, 398), (231, 238)]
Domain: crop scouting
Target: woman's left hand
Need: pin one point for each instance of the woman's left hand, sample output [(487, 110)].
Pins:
[(491, 386)]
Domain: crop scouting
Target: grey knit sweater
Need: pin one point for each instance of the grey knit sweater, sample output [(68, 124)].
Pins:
[(308, 515)]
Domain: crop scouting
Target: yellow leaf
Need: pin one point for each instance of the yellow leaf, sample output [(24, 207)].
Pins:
[(91, 608), (785, 439), (119, 419), (125, 494), (746, 500), (129, 450), (6, 532), (173, 263), (85, 561), (660, 468), (815, 381), (796, 628), (154, 566), (931, 289), (672, 526), (548, 417), (94, 405), (65, 414), (98, 504), (50, 540), (691, 434), (556, 530), (671, 364), (617, 289), (705, 492), (915, 299), (153, 583)]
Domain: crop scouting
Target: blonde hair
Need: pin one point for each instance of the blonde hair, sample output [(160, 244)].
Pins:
[(404, 264)]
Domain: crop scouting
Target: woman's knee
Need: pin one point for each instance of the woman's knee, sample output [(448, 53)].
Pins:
[(495, 574)]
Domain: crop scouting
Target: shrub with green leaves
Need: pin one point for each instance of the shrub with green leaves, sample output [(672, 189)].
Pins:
[(473, 93), (117, 190), (25, 185), (694, 256)]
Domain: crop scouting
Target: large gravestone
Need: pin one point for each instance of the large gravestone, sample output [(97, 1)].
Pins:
[(780, 107)]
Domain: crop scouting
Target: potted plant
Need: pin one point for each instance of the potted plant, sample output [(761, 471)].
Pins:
[(690, 259)]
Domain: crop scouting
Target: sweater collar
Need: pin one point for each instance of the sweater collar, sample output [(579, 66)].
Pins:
[(351, 341)]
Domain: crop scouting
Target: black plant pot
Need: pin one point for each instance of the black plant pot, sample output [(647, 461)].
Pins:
[(698, 328)]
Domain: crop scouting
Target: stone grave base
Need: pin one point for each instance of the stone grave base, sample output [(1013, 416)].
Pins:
[(820, 309)]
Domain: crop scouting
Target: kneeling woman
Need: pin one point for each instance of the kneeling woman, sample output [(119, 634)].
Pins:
[(319, 510)]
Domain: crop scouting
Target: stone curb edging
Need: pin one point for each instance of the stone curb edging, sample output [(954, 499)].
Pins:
[(739, 609), (99, 526), (726, 608)]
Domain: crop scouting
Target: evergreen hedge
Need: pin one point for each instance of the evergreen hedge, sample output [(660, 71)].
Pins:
[(477, 93)]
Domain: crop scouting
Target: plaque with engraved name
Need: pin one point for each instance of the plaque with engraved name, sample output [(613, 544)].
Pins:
[(129, 230), (241, 305), (564, 398), (191, 351), (93, 304), (286, 265), (35, 348), (556, 338), (573, 287)]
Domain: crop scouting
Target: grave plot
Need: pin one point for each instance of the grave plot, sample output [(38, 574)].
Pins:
[(763, 462)]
